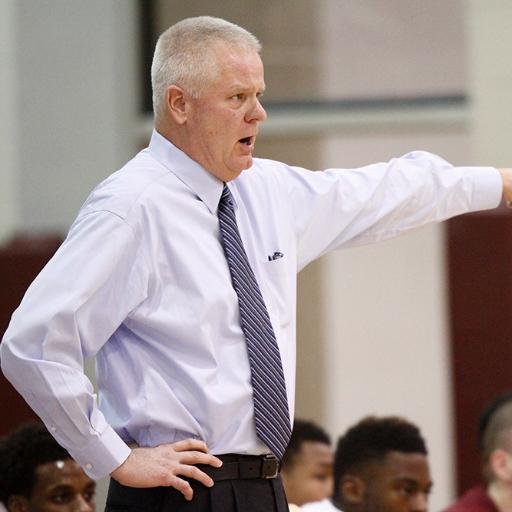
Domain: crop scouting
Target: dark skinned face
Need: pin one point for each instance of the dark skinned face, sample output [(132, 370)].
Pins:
[(61, 486), (310, 476), (399, 483)]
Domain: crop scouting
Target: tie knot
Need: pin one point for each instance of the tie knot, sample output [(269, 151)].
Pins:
[(226, 198)]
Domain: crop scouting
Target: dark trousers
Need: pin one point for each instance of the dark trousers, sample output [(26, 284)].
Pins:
[(237, 495)]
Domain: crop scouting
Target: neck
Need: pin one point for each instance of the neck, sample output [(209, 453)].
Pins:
[(501, 494)]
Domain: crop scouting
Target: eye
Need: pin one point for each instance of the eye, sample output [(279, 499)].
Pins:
[(62, 497), (89, 496), (410, 491), (238, 97)]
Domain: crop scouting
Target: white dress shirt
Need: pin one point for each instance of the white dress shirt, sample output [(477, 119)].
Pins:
[(320, 506), (141, 282)]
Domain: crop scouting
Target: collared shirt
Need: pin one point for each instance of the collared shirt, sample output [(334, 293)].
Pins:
[(141, 282), (320, 506)]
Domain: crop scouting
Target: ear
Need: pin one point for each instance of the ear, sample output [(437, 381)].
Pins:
[(17, 503), (352, 489), (175, 102), (500, 462)]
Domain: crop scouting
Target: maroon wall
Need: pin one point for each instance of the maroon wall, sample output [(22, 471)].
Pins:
[(480, 287), (21, 259)]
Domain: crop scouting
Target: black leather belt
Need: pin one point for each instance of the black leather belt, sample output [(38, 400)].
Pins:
[(235, 467)]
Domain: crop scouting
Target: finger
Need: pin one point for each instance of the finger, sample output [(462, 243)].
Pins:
[(195, 473), (189, 445), (200, 458), (182, 486)]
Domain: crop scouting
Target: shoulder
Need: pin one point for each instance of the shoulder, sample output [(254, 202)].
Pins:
[(130, 186), (473, 500), (273, 176)]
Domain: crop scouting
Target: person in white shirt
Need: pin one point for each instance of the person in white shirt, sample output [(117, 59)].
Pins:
[(324, 505), (144, 283), (306, 468)]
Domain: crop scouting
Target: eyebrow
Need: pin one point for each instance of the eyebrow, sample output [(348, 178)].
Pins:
[(324, 463), (60, 487), (242, 88), (65, 487), (405, 479)]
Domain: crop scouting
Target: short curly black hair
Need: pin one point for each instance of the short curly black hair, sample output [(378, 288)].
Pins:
[(370, 440), (303, 431), (21, 453)]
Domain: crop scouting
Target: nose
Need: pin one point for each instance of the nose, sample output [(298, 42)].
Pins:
[(83, 505), (256, 113), (420, 502)]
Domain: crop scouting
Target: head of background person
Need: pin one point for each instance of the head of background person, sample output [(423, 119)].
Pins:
[(207, 79), (381, 465), (495, 443), (307, 464), (38, 475)]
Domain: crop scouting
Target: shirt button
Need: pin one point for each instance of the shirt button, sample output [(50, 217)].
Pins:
[(88, 466), (54, 429)]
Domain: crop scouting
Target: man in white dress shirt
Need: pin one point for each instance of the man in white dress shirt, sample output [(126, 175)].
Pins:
[(142, 283)]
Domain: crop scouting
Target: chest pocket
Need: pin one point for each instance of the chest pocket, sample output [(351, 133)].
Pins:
[(278, 290)]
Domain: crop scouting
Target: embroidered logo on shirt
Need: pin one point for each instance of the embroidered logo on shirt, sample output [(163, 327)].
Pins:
[(275, 256)]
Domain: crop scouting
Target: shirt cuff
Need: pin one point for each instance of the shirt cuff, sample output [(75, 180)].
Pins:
[(102, 455), (487, 189)]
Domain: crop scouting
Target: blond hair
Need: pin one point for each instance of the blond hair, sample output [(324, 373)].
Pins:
[(184, 57)]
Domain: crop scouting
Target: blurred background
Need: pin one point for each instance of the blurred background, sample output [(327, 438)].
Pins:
[(418, 326)]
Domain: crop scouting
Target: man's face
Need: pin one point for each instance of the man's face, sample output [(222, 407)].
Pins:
[(62, 486), (309, 478), (401, 483), (222, 123)]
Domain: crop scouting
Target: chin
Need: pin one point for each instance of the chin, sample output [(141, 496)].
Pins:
[(247, 164)]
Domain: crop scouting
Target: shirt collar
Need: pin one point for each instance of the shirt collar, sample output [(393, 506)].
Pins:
[(204, 184)]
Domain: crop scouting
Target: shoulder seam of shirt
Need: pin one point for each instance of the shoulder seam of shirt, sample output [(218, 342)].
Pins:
[(166, 173), (137, 197), (104, 210), (125, 222)]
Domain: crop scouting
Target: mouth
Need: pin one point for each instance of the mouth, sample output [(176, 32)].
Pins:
[(248, 141)]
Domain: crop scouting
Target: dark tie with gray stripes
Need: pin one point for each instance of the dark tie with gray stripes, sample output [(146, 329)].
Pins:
[(269, 390)]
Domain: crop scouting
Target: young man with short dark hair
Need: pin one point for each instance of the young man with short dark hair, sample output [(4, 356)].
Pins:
[(38, 475), (307, 464), (380, 465)]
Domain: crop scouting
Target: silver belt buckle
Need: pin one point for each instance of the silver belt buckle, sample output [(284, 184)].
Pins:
[(270, 466)]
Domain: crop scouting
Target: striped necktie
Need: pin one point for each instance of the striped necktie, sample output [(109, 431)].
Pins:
[(271, 414)]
